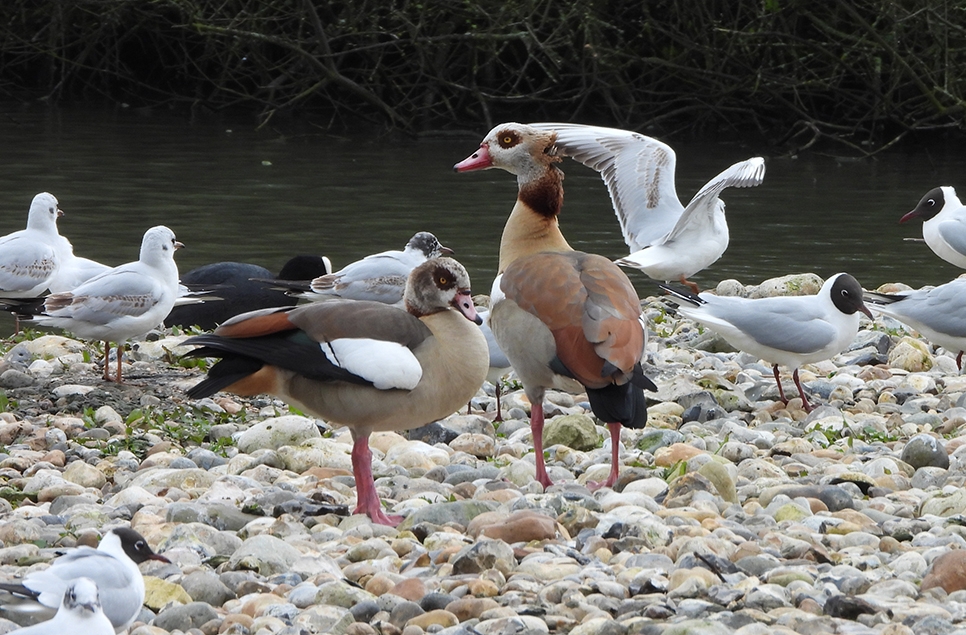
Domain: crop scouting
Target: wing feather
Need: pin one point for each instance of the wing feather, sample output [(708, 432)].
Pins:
[(638, 171)]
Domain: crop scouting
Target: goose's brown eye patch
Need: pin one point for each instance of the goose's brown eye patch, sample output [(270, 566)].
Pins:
[(508, 139)]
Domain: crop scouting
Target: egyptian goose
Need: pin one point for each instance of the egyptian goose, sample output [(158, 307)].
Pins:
[(239, 288), (944, 224), (668, 241), (938, 313), (564, 318), (786, 330), (123, 302), (378, 277), (113, 566), (366, 365)]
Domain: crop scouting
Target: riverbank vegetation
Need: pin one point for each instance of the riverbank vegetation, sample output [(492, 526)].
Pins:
[(857, 75)]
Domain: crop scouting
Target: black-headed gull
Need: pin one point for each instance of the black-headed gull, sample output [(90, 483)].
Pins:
[(786, 330), (668, 241), (240, 287), (113, 567), (124, 302), (938, 313), (565, 319), (80, 612), (379, 277), (29, 257), (944, 224), (365, 365)]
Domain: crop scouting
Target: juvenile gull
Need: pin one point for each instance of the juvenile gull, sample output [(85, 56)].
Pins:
[(378, 277), (668, 241), (123, 302), (113, 567), (80, 612)]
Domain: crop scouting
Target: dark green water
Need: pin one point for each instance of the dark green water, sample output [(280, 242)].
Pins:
[(232, 193)]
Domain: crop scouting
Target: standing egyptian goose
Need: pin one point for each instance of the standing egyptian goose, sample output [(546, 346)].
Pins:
[(560, 315), (124, 302), (668, 241), (366, 365)]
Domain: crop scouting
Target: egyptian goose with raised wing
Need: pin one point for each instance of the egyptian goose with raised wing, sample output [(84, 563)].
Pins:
[(560, 315), (367, 365), (668, 241)]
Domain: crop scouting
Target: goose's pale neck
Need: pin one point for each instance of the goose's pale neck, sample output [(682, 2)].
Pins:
[(532, 226)]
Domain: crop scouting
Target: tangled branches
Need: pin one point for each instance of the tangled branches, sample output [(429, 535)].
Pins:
[(862, 74)]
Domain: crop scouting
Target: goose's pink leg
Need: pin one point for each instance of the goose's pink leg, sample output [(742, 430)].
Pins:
[(536, 427), (367, 499), (615, 442)]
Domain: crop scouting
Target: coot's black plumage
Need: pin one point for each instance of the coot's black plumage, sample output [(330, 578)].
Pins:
[(233, 283)]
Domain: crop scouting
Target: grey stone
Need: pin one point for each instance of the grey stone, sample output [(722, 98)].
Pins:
[(264, 553), (483, 555), (574, 431), (204, 586), (925, 450), (184, 617), (432, 433), (461, 512), (403, 612), (13, 378), (835, 497), (652, 440)]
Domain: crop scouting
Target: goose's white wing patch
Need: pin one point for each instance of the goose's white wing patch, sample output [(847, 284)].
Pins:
[(386, 364)]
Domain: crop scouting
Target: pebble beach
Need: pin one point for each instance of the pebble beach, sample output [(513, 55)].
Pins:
[(734, 513)]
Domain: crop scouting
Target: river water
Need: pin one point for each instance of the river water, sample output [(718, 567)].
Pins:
[(231, 192)]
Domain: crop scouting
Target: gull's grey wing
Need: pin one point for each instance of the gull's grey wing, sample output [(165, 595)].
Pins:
[(942, 308), (786, 323), (117, 293), (388, 289), (25, 264), (638, 171), (953, 231), (702, 207)]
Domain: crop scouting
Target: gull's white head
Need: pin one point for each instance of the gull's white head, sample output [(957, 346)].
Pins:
[(44, 213), (81, 596), (159, 245)]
